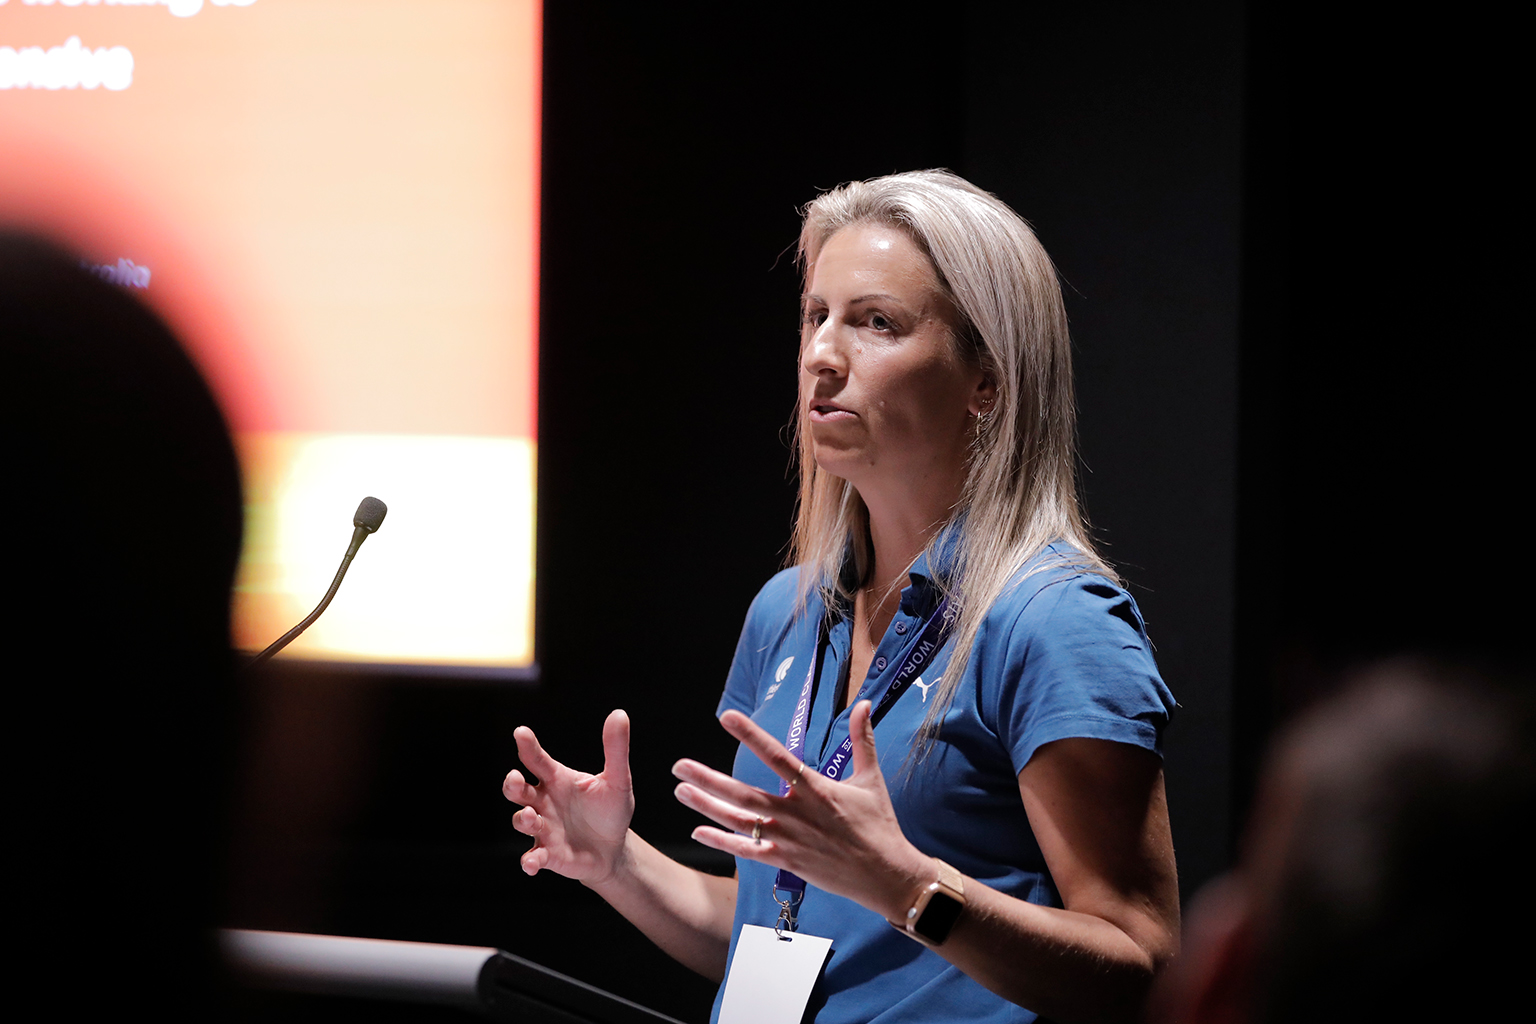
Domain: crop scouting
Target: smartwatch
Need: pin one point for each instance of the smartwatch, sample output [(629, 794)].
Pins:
[(936, 907)]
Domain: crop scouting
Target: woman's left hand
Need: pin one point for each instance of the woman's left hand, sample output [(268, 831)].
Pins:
[(820, 828), (1096, 807)]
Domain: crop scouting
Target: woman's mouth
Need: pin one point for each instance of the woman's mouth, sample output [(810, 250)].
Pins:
[(829, 412)]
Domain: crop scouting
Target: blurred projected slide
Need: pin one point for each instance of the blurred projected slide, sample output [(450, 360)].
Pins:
[(365, 174)]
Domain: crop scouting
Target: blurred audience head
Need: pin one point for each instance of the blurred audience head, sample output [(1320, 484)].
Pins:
[(1379, 874), (124, 523)]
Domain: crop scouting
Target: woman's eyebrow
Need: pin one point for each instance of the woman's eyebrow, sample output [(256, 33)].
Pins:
[(818, 300), (807, 301)]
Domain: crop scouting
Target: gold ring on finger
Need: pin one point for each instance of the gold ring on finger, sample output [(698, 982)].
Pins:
[(757, 831)]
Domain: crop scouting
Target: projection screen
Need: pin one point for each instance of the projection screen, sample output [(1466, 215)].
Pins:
[(364, 175)]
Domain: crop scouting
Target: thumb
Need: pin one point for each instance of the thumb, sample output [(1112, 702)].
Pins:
[(866, 764), (616, 749)]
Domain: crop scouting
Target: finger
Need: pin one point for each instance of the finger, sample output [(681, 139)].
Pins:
[(712, 807), (763, 849), (534, 860), (528, 822), (533, 755), (517, 789), (866, 762), (718, 784), (756, 739), (616, 750)]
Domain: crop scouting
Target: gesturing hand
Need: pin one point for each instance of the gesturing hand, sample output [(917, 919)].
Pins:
[(842, 837), (578, 821)]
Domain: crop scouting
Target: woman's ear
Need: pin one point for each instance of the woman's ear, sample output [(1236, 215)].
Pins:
[(984, 397)]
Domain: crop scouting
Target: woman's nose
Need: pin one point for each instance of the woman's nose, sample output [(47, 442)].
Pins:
[(823, 352)]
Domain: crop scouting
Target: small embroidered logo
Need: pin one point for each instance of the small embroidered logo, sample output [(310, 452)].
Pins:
[(926, 686), (783, 669)]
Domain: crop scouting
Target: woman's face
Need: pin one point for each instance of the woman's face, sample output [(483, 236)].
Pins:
[(888, 400)]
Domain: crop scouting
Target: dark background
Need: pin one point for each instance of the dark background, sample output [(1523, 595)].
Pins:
[(1295, 425)]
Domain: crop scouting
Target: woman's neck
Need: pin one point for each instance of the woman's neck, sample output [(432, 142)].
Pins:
[(900, 530)]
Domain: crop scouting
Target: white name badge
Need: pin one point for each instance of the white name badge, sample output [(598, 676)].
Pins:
[(771, 978)]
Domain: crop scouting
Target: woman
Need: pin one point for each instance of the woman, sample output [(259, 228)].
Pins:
[(1012, 819)]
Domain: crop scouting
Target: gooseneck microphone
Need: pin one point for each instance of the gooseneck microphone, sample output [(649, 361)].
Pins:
[(369, 517)]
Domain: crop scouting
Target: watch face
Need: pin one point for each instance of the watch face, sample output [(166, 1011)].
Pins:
[(938, 917)]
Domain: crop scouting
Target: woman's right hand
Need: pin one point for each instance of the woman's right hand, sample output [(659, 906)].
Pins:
[(578, 821)]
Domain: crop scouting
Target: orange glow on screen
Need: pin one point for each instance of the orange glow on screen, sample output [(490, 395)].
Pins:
[(360, 179)]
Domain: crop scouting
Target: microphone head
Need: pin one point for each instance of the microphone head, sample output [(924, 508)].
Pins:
[(370, 514)]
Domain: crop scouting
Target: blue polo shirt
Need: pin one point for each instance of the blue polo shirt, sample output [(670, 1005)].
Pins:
[(1063, 653)]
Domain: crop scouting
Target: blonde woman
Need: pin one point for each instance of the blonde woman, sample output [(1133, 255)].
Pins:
[(948, 709)]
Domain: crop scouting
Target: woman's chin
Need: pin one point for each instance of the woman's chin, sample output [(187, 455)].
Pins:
[(843, 464)]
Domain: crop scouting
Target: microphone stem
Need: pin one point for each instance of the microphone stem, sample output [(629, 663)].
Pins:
[(359, 534)]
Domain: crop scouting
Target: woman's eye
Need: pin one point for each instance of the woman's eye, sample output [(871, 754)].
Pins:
[(880, 323), (813, 317)]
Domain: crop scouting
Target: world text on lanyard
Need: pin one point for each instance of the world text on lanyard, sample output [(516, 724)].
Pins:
[(920, 652)]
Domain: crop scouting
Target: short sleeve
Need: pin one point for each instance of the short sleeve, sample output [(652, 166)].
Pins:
[(1078, 664)]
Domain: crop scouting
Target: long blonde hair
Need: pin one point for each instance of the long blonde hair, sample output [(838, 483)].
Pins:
[(1021, 488)]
